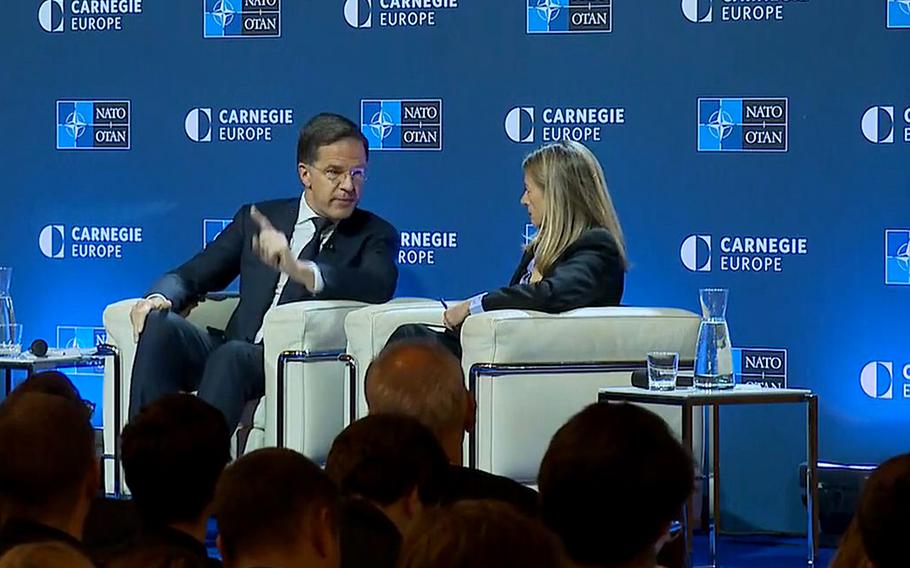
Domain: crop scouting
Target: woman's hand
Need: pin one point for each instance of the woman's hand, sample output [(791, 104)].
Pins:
[(455, 316)]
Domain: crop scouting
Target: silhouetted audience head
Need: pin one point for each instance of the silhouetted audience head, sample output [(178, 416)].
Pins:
[(850, 551), (44, 555), (173, 452), (883, 516), (273, 506), (46, 382), (424, 380), (48, 469), (480, 534), (611, 482), (391, 460)]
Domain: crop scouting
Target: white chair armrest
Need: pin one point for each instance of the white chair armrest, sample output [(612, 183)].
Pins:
[(368, 330), (314, 393)]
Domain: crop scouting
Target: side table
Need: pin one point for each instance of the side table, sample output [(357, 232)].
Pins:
[(689, 398)]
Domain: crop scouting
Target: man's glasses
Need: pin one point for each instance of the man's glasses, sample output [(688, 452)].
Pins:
[(337, 175)]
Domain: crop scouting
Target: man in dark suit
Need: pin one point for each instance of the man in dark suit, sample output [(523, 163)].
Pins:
[(317, 246), (422, 379)]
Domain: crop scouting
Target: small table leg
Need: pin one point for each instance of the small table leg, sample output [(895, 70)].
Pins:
[(689, 509), (714, 525), (811, 477)]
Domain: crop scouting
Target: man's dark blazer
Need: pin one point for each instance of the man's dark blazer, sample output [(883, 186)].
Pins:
[(589, 273), (357, 263)]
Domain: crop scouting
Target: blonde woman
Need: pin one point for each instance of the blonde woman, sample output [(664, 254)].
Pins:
[(578, 257)]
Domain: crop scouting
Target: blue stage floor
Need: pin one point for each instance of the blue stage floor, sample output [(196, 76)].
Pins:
[(760, 552)]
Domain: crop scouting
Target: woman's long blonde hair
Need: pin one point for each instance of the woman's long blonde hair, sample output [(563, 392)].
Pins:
[(577, 199)]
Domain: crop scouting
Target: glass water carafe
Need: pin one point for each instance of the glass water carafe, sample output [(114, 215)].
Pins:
[(7, 313), (713, 354)]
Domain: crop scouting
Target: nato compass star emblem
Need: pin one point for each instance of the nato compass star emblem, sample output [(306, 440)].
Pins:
[(223, 13), (721, 124), (904, 6), (549, 9), (381, 124), (903, 257), (75, 124)]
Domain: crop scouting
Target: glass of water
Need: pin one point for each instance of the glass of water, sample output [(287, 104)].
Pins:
[(10, 339), (662, 370)]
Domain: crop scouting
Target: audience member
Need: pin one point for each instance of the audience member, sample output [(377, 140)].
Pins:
[(173, 453), (276, 508), (883, 516), (110, 522), (424, 380), (46, 382), (388, 466), (612, 480), (48, 471), (44, 555), (850, 552), (480, 534)]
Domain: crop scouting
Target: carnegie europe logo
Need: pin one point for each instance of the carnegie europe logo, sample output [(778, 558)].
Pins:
[(569, 16), (581, 124), (58, 16), (402, 124), (420, 247), (362, 14), (743, 124), (202, 124), (877, 380), (898, 13), (709, 11), (879, 125), (93, 125), (241, 19), (740, 253), (897, 257), (56, 242)]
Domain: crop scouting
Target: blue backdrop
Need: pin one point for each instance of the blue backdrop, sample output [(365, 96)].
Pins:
[(770, 133)]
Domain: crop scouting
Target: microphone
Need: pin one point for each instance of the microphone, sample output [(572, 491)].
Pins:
[(39, 348)]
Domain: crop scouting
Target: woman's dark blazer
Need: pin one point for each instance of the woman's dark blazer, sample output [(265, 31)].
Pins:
[(589, 273)]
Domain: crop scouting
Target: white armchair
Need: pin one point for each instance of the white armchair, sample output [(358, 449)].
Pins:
[(518, 411), (314, 394)]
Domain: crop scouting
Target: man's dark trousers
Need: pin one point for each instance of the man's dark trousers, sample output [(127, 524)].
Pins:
[(174, 355)]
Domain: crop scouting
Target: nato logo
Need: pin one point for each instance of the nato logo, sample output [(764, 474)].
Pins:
[(698, 11), (242, 19), (878, 124), (359, 13), (520, 125), (898, 13), (50, 16), (198, 125), (695, 253), (402, 124), (877, 379), (93, 125), (569, 16), (211, 228), (52, 240), (765, 367), (897, 256), (742, 125)]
